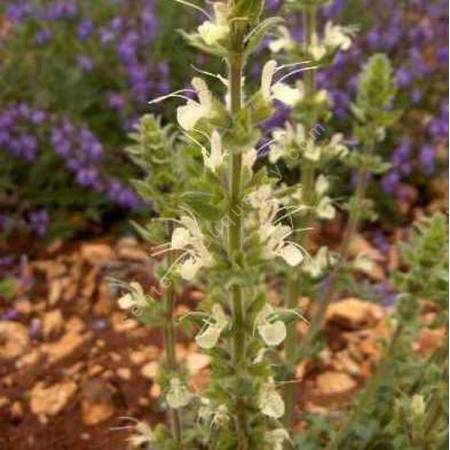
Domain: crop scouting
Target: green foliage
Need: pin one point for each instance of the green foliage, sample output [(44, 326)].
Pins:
[(406, 408), (426, 256), (376, 91)]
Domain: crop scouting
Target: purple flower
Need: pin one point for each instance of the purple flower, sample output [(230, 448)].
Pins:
[(38, 221), (390, 182), (87, 177), (43, 36), (404, 77), (427, 159), (116, 100), (85, 63), (85, 29)]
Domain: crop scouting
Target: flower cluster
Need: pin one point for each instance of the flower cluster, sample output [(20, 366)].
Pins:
[(26, 133), (95, 69)]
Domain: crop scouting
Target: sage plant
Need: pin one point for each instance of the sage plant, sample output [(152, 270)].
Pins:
[(307, 153), (229, 228), (303, 149), (229, 224), (160, 154)]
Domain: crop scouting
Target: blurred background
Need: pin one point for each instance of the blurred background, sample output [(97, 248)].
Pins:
[(75, 76)]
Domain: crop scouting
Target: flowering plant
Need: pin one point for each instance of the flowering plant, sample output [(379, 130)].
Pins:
[(229, 222)]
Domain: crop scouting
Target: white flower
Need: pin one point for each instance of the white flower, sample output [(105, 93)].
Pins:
[(316, 49), (190, 238), (273, 236), (286, 94), (286, 140), (216, 157), (278, 91), (144, 435), (260, 196), (336, 36), (311, 151), (418, 405), (275, 438), (336, 146), (270, 402), (283, 138), (213, 31), (135, 297), (208, 337), (178, 395), (274, 241), (321, 96), (188, 115), (325, 209), (249, 158), (318, 263), (364, 263), (283, 42), (263, 200), (220, 415), (322, 185), (273, 333)]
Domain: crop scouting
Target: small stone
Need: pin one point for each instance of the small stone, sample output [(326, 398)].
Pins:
[(7, 381), (155, 391), (52, 269), (122, 322), (97, 254), (197, 295), (23, 306), (29, 359), (150, 370), (16, 410), (196, 362), (95, 370), (71, 341), (14, 340), (128, 248), (97, 402), (51, 400), (331, 382), (143, 401), (105, 304), (74, 370), (115, 357), (354, 314), (55, 291), (52, 323), (124, 373), (75, 324)]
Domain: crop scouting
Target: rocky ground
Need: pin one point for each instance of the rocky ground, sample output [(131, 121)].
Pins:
[(72, 364)]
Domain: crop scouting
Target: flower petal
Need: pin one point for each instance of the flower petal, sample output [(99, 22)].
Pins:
[(273, 334)]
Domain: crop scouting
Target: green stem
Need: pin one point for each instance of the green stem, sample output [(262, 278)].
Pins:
[(235, 211), (293, 292), (169, 345), (294, 281), (331, 290), (367, 396), (309, 25), (235, 239)]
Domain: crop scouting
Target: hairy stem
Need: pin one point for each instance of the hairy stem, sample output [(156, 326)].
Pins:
[(293, 293), (332, 286), (235, 237), (169, 345), (294, 281), (367, 396)]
